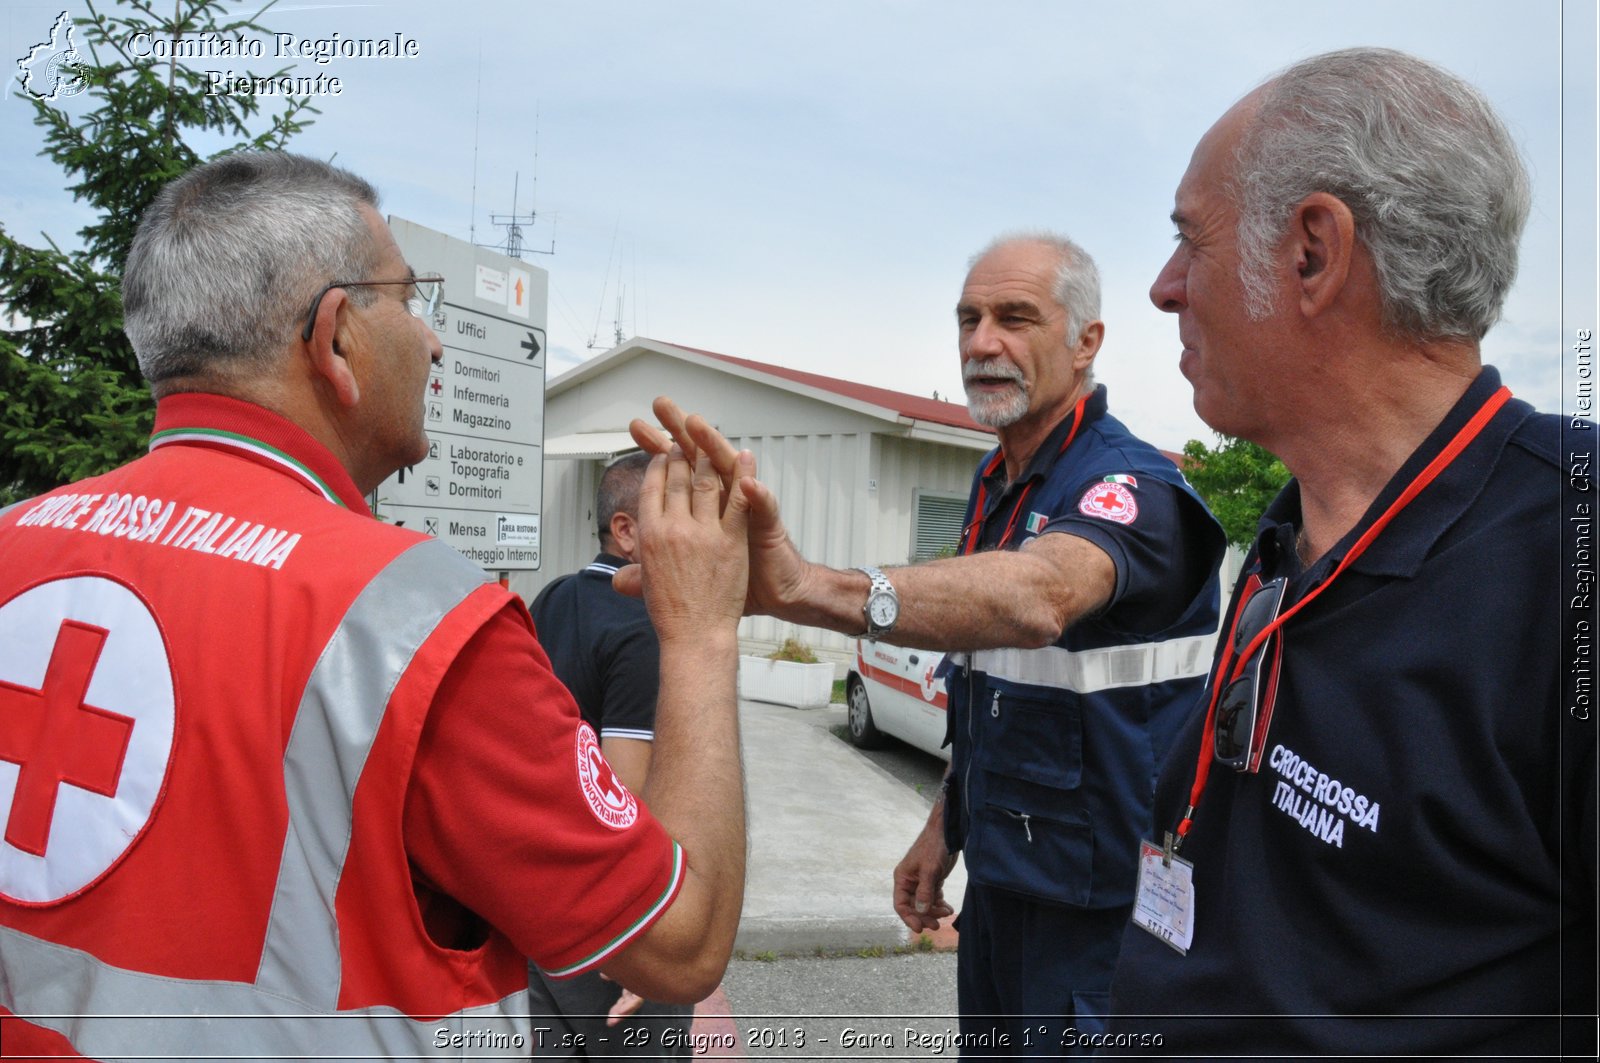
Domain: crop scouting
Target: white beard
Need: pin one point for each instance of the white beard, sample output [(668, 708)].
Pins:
[(996, 410)]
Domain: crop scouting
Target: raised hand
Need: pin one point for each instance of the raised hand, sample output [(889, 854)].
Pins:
[(776, 569), (693, 547)]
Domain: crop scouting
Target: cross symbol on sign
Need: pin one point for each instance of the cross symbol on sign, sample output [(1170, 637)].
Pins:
[(1109, 501), (435, 386), (56, 738)]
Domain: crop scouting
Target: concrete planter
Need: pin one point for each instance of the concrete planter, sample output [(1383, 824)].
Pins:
[(805, 686)]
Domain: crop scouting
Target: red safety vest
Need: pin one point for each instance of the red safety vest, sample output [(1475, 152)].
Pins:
[(213, 676)]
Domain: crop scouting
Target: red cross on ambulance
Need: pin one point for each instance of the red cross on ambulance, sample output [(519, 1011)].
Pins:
[(86, 726)]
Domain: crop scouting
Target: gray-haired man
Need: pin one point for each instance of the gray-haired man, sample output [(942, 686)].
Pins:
[(1380, 838), (276, 759)]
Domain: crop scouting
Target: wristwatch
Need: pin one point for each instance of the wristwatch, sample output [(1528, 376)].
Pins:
[(883, 604)]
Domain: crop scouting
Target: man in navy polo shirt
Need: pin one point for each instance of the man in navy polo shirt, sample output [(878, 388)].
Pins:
[(1079, 620), (603, 647), (1380, 838)]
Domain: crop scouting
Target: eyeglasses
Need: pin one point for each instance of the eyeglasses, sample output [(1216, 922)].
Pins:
[(1242, 704), (430, 290)]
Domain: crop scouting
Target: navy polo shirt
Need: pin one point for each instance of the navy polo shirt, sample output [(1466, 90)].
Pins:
[(603, 647), (1403, 873), (1163, 555), (1055, 749)]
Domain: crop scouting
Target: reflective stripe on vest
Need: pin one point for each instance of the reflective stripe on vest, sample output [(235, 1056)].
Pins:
[(1090, 671), (291, 1008)]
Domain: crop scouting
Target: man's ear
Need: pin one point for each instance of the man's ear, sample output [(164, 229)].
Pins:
[(1088, 345), (625, 534), (322, 349), (1323, 234)]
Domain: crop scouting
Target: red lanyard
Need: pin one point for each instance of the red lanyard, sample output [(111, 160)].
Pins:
[(1232, 667), (969, 536)]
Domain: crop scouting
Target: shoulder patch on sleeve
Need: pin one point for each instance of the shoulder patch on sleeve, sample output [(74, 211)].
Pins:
[(608, 799), (1111, 501)]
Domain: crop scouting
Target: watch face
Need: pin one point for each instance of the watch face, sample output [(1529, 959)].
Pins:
[(882, 610)]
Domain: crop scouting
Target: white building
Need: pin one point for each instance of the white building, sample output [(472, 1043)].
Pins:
[(864, 475)]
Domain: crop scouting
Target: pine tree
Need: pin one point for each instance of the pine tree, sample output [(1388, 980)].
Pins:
[(72, 402)]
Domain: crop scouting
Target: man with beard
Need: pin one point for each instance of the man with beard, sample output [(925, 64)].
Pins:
[(1078, 616)]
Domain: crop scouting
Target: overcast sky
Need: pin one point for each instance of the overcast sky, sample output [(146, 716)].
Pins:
[(802, 183)]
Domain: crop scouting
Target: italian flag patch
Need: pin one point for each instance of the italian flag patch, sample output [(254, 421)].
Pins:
[(1036, 522), (1130, 481)]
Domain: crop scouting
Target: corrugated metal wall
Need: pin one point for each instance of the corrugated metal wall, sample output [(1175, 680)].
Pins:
[(818, 458), (820, 481), (835, 515)]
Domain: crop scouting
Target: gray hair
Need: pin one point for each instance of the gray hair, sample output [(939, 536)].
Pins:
[(229, 256), (1077, 281), (1429, 171), (618, 491)]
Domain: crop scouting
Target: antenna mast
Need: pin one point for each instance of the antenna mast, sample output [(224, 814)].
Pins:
[(512, 223)]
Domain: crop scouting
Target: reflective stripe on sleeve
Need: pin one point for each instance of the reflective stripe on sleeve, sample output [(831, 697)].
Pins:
[(1089, 671)]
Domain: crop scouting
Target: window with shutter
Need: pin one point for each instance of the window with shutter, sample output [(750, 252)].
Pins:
[(936, 524)]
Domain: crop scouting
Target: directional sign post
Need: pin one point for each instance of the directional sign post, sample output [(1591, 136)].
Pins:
[(481, 485)]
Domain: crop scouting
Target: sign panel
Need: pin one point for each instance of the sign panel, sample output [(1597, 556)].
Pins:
[(481, 486)]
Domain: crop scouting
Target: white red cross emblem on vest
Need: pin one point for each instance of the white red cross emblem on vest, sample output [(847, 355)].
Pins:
[(86, 729), (56, 738)]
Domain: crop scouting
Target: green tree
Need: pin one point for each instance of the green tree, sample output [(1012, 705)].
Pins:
[(72, 402), (1237, 479)]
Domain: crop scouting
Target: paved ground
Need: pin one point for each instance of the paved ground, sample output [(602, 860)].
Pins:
[(827, 826), (828, 822), (892, 1006)]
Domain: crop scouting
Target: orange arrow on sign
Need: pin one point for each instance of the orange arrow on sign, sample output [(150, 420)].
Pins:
[(519, 291)]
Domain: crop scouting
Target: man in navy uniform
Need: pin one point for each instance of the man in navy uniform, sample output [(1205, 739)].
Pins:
[(1079, 619), (1383, 829)]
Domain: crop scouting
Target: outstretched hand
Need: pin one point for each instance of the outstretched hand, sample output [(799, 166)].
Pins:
[(776, 568), (693, 546)]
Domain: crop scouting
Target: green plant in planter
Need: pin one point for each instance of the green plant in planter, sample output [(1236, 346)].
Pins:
[(793, 650)]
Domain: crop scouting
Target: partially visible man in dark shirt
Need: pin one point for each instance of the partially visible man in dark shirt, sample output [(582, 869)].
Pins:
[(1378, 841), (603, 647)]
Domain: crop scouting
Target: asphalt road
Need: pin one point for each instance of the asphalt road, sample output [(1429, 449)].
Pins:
[(918, 770), (843, 1007), (877, 1006)]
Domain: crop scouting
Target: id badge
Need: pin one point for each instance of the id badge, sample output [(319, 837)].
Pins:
[(1163, 901)]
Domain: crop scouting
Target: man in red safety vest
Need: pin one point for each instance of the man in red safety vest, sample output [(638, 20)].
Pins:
[(279, 779)]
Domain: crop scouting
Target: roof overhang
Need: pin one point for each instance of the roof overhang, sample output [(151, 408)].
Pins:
[(946, 435), (590, 445)]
